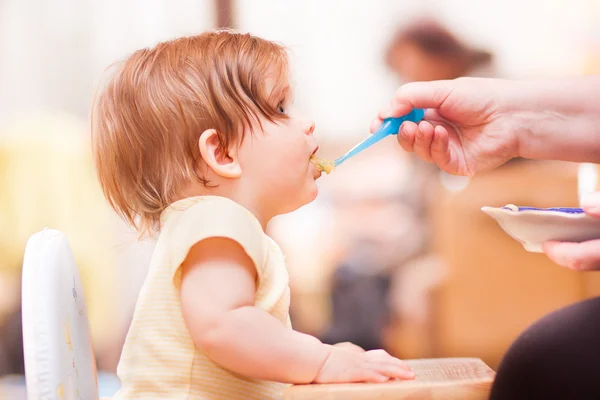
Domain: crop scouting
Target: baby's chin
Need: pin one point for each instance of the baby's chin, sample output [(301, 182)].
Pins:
[(313, 192), (307, 196), (312, 189)]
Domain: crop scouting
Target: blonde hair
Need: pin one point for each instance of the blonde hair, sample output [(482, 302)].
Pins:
[(147, 119)]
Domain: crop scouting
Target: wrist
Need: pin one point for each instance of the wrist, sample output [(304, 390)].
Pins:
[(567, 136), (519, 107), (555, 119), (528, 131), (328, 350)]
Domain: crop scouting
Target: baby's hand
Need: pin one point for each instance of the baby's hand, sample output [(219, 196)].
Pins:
[(347, 365), (350, 346)]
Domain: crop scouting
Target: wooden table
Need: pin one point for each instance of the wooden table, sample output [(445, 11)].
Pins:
[(437, 379)]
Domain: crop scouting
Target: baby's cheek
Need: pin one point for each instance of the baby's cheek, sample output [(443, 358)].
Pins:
[(295, 158), (291, 163)]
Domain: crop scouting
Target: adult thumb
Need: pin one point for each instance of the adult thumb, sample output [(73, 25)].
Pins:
[(418, 95), (591, 204)]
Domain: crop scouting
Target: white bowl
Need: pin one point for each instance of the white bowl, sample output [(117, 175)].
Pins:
[(533, 226)]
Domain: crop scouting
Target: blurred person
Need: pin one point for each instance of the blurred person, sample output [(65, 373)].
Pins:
[(474, 125), (366, 287), (196, 141), (425, 50), (421, 51)]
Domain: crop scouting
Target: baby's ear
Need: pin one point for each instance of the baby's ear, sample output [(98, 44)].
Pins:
[(224, 162)]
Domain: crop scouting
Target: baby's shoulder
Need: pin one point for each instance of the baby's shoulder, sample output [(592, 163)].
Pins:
[(193, 219)]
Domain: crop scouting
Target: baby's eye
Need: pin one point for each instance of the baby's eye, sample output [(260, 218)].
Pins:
[(280, 108)]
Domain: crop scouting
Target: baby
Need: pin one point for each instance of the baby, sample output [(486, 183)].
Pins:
[(195, 140)]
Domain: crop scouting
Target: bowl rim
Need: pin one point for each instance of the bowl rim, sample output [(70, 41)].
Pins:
[(562, 212)]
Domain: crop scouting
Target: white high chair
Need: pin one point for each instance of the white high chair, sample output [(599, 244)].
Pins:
[(59, 360)]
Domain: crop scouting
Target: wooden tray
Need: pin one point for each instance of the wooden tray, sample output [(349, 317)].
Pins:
[(442, 378)]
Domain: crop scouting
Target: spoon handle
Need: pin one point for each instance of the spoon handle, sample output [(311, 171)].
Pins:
[(390, 126)]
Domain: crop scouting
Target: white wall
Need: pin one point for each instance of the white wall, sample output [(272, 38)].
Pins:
[(52, 51)]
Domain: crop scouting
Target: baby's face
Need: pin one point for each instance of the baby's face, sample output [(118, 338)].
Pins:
[(276, 161)]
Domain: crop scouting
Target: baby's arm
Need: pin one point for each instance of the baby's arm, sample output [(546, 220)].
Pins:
[(217, 294)]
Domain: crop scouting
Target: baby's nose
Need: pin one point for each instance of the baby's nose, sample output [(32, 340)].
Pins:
[(309, 127)]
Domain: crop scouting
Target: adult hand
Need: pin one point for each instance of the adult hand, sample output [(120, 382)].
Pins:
[(584, 256), (467, 128), (475, 124)]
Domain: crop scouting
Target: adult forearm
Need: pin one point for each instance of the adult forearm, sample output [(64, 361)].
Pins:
[(557, 119)]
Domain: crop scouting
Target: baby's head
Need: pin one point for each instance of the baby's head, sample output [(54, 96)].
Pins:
[(202, 115)]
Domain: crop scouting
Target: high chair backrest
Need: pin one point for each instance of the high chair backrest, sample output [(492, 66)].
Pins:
[(59, 360)]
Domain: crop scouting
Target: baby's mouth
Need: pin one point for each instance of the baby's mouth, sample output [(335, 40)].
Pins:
[(322, 165)]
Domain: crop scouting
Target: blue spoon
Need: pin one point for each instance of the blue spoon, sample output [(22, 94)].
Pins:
[(389, 126)]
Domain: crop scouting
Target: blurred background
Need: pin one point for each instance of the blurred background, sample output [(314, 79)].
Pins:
[(392, 254)]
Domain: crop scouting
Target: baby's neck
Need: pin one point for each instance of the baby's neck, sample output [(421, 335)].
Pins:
[(246, 199)]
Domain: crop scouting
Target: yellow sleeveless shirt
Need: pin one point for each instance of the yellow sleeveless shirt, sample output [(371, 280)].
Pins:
[(159, 359)]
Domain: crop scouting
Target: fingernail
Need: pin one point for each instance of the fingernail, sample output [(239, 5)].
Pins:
[(591, 202)]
